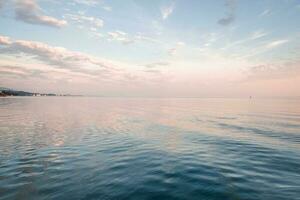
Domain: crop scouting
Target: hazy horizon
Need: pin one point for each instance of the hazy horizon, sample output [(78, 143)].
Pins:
[(163, 48)]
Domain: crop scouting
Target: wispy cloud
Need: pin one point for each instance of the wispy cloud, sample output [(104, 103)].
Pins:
[(157, 64), (107, 8), (29, 11), (253, 36), (155, 71), (246, 43), (120, 36), (180, 44), (87, 2), (261, 48), (230, 16), (126, 38), (141, 37), (266, 12), (56, 57), (82, 20), (209, 39), (63, 64), (173, 51), (274, 71), (276, 43), (23, 72), (258, 34), (167, 11)]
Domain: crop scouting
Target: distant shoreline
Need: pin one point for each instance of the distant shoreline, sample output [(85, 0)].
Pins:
[(5, 92)]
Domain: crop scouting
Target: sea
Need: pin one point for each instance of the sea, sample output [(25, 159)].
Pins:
[(149, 148)]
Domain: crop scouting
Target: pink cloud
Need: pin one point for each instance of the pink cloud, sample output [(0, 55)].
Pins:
[(29, 11)]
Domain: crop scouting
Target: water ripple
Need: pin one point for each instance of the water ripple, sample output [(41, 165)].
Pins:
[(100, 148)]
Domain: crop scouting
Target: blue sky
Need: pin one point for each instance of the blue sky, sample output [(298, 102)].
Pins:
[(151, 48)]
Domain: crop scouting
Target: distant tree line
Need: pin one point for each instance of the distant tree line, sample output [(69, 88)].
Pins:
[(22, 93)]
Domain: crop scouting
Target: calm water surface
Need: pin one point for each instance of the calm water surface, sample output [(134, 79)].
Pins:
[(110, 148)]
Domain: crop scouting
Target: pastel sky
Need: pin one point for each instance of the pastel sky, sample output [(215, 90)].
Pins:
[(155, 48)]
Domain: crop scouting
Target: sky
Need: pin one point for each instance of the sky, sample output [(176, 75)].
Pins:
[(151, 48)]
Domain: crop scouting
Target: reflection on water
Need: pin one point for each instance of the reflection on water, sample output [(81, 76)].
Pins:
[(110, 148)]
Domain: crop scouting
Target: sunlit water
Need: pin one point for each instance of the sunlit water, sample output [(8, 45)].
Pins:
[(114, 148)]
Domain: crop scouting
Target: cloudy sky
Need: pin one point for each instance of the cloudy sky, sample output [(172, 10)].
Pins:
[(159, 48)]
